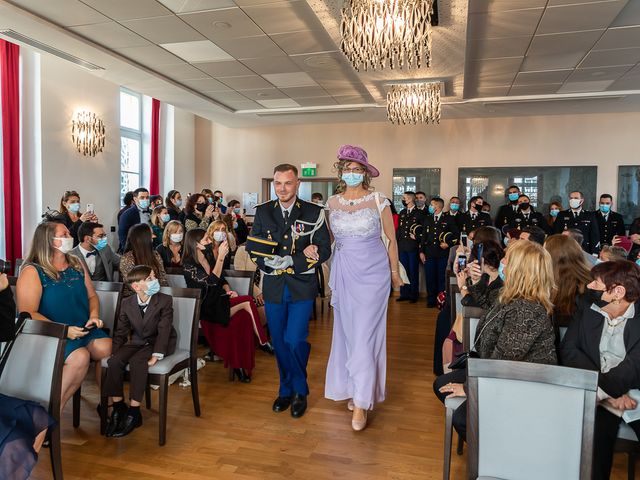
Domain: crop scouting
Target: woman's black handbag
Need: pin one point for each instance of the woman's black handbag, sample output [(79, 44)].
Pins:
[(216, 307), (461, 360)]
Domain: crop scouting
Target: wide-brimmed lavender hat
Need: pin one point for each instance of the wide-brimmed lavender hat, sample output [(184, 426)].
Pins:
[(358, 155)]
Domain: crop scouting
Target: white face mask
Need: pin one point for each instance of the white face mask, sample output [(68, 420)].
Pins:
[(176, 237), (66, 244), (219, 236), (575, 203)]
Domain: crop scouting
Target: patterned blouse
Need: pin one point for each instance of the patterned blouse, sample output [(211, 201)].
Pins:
[(127, 263)]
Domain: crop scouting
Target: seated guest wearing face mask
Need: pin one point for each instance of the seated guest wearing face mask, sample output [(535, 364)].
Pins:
[(239, 224), (604, 336), (70, 215), (138, 251), (198, 212), (95, 253), (159, 219), (174, 205), (171, 248), (138, 213)]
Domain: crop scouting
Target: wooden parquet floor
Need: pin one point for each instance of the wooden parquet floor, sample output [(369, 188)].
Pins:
[(239, 437)]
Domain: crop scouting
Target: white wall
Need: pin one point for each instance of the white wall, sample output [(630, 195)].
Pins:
[(235, 159)]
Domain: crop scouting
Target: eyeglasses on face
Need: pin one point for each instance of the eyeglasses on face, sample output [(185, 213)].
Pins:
[(353, 170)]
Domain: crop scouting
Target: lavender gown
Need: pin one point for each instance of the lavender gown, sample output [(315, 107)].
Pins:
[(360, 279)]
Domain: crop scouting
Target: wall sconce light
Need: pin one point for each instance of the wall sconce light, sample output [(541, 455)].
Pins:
[(87, 133)]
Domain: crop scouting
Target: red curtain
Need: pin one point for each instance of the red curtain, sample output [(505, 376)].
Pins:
[(154, 175), (10, 95)]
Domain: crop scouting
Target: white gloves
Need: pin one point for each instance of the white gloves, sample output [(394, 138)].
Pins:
[(279, 263)]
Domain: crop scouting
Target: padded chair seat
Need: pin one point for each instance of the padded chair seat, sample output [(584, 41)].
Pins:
[(626, 432), (454, 402), (489, 478), (164, 366)]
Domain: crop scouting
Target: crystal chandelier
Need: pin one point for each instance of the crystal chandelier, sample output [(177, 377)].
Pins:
[(380, 32), (88, 133), (414, 103)]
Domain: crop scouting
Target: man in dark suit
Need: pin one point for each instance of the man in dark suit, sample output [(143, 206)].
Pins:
[(474, 217), (507, 212), (526, 216), (610, 223), (290, 285), (455, 212), (439, 234), (583, 220), (144, 336), (95, 253), (137, 213), (408, 237)]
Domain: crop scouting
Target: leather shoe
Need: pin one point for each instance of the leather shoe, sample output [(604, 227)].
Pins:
[(267, 348), (298, 405), (117, 419), (281, 404), (242, 375), (130, 424), (402, 299)]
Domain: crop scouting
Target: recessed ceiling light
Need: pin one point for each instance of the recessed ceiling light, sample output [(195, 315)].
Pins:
[(221, 25), (279, 103), (199, 51), (321, 61)]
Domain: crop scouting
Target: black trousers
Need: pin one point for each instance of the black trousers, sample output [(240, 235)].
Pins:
[(443, 327), (137, 357), (460, 415), (606, 431)]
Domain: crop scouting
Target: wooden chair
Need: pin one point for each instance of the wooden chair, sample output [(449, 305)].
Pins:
[(529, 421), (39, 377), (186, 314)]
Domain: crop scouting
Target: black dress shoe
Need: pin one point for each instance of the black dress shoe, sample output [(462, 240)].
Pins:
[(413, 300), (130, 424), (281, 404), (242, 375), (298, 406), (402, 299), (117, 419), (268, 348)]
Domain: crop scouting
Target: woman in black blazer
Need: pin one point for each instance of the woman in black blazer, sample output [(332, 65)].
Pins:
[(605, 336)]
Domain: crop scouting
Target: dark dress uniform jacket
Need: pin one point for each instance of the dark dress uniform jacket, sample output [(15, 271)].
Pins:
[(433, 232), (612, 227), (585, 222), (406, 226), (534, 219), (467, 223), (506, 215), (300, 279)]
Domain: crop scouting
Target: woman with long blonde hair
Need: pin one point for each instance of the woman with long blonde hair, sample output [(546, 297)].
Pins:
[(518, 327)]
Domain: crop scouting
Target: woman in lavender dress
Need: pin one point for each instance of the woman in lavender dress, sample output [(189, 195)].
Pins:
[(360, 272)]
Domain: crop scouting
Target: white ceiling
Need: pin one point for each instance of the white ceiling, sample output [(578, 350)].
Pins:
[(260, 62)]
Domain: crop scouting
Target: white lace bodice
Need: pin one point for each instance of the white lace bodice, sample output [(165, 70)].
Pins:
[(358, 218)]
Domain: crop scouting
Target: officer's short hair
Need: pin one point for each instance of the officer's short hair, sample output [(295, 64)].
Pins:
[(577, 191), (523, 195), (438, 200), (420, 192), (454, 198), (606, 195), (513, 186), (409, 192), (286, 167), (536, 234)]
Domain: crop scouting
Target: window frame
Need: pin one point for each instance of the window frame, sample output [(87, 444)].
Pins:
[(133, 134)]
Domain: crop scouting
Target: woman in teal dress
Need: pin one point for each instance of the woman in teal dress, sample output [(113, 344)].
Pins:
[(53, 286)]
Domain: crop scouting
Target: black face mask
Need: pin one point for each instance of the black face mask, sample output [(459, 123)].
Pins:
[(524, 206), (404, 203), (478, 207), (595, 296), (201, 207)]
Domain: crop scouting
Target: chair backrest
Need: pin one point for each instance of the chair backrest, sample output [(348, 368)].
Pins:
[(176, 281), (455, 299), (186, 315), (471, 318), (110, 295), (33, 368), (529, 421), (240, 281)]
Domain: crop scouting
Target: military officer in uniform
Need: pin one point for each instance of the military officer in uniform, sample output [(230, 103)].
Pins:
[(439, 234), (506, 213), (526, 216), (610, 223), (578, 218), (421, 201), (474, 217), (408, 237), (296, 232), (454, 210)]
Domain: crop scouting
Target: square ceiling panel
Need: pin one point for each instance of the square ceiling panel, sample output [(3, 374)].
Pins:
[(128, 9), (66, 13), (351, 99), (231, 68), (246, 82), (535, 78), (629, 81), (597, 74), (200, 51), (297, 43), (264, 94), (223, 24), (185, 6), (304, 92), (512, 23), (250, 47), (481, 6), (229, 96), (630, 15), (316, 101), (574, 18), (279, 103), (574, 42), (150, 55), (494, 71), (284, 17), (206, 85), (619, 37), (111, 35), (181, 71), (551, 62), (163, 29), (542, 89), (480, 48), (271, 65), (486, 92), (611, 58), (288, 80), (585, 87)]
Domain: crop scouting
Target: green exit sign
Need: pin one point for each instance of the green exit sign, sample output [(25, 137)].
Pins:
[(309, 169)]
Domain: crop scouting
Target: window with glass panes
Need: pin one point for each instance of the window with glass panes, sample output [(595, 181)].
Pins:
[(426, 180), (130, 141)]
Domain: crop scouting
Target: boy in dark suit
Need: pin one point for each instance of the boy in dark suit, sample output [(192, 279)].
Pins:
[(144, 335)]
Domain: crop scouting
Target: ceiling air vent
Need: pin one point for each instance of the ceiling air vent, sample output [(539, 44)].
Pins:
[(12, 34)]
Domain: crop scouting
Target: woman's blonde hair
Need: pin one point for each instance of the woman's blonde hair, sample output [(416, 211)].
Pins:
[(528, 275), (41, 250), (172, 227), (339, 167), (214, 226), (155, 215)]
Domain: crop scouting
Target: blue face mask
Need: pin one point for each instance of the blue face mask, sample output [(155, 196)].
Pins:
[(236, 211), (353, 179), (554, 212), (74, 207), (638, 262), (165, 218), (210, 199), (102, 243), (501, 271), (505, 241), (153, 287), (144, 203), (513, 197), (454, 207), (178, 203), (432, 209), (605, 208)]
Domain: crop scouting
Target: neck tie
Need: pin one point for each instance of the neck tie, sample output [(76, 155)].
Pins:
[(473, 216), (575, 214), (92, 253), (286, 216)]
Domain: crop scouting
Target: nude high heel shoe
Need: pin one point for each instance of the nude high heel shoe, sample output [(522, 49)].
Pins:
[(359, 424)]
